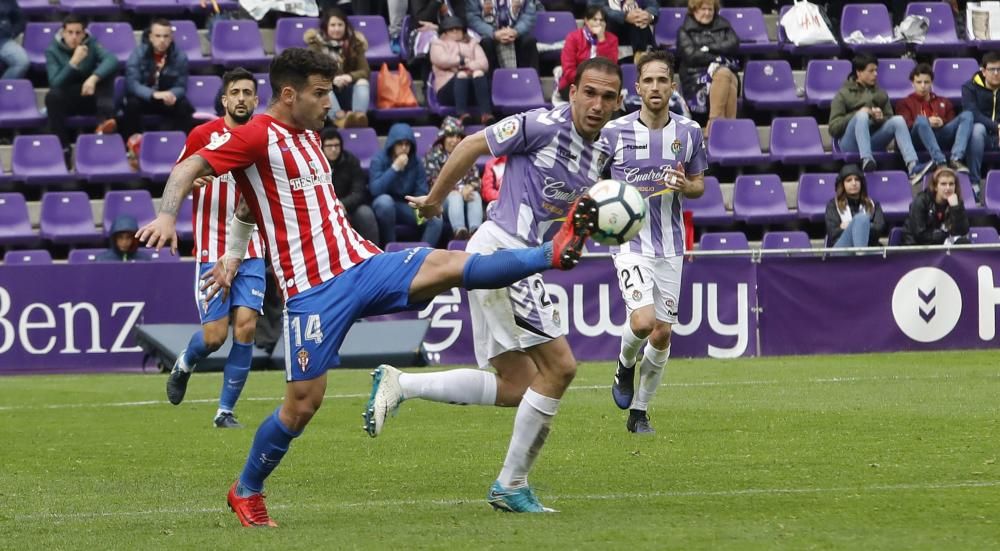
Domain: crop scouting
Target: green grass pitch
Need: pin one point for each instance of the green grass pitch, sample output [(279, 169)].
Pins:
[(888, 451)]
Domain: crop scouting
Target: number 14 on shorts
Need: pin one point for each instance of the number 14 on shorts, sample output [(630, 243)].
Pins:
[(313, 329)]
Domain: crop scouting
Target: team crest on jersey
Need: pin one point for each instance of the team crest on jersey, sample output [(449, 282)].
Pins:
[(506, 129), (637, 295), (303, 359), (218, 140), (675, 147)]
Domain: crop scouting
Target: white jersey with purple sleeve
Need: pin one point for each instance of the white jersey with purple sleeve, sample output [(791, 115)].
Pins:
[(641, 157), (549, 165)]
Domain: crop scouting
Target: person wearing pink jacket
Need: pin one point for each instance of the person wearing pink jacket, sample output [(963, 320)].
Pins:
[(460, 69)]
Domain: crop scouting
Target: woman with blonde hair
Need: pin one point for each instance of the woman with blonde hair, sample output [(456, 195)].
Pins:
[(338, 39), (937, 214)]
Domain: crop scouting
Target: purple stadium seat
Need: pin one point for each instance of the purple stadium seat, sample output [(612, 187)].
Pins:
[(894, 77), (551, 27), (237, 42), (892, 189), (881, 157), (159, 153), (770, 85), (709, 209), (101, 158), (872, 20), (29, 257), (185, 230), (35, 7), (734, 142), (630, 76), (15, 225), (823, 78), (195, 6), (941, 36), (187, 40), (395, 113), (814, 192), (950, 73), (38, 159), (289, 30), (811, 50), (983, 235), (895, 237), (90, 7), (157, 7), (991, 192), (18, 108), (363, 142), (723, 241), (796, 140), (457, 244), (263, 92), (394, 246), (116, 37), (202, 91), (426, 136), (433, 105), (66, 218), (136, 203), (594, 248), (377, 34), (37, 37), (84, 256), (749, 26), (786, 240), (164, 256), (667, 25), (760, 199), (517, 90)]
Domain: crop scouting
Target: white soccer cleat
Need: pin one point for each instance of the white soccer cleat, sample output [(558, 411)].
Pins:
[(385, 398)]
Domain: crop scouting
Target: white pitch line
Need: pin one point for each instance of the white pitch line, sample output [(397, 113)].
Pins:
[(553, 499), (765, 382)]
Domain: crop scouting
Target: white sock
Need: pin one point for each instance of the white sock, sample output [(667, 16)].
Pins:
[(654, 365), (531, 428), (455, 386), (630, 345), (220, 411)]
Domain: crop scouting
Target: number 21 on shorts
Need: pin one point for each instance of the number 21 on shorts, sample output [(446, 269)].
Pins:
[(313, 329)]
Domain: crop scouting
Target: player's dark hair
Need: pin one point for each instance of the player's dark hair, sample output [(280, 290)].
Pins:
[(860, 62), (294, 66), (330, 133), (233, 75), (601, 65), (990, 57), (656, 55), (922, 69), (72, 19)]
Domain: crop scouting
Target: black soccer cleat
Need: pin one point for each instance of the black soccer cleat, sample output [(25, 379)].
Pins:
[(177, 381), (623, 388), (638, 422), (226, 420)]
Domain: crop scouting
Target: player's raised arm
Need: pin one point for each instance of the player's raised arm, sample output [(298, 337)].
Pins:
[(458, 164), (163, 229)]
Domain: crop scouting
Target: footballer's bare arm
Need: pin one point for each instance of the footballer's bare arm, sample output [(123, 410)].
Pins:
[(162, 231)]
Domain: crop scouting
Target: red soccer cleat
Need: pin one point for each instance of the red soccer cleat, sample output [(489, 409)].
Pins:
[(568, 241), (250, 510)]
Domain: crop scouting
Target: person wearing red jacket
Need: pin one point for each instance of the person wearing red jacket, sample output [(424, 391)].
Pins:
[(591, 40), (932, 121), (493, 178)]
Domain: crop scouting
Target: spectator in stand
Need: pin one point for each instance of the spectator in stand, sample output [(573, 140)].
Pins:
[(493, 178), (853, 219), (394, 174), (460, 69), (350, 184), (505, 28), (123, 245), (931, 119), (632, 21), (156, 77), (351, 93), (591, 40), (81, 80), (707, 49), (861, 119), (464, 205), (12, 55), (937, 214), (980, 97)]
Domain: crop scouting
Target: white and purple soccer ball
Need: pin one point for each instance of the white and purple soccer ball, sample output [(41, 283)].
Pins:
[(621, 212)]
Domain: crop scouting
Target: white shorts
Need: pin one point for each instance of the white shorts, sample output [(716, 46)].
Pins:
[(646, 280), (513, 318)]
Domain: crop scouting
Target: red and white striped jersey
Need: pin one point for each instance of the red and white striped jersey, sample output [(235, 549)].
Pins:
[(287, 183), (215, 203)]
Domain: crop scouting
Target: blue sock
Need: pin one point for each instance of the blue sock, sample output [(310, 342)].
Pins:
[(234, 375), (269, 446), (196, 349), (504, 267)]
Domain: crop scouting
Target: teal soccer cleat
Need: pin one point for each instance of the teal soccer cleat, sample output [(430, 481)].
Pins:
[(517, 500)]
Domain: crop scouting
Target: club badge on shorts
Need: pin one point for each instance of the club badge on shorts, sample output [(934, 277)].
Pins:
[(637, 295), (303, 359)]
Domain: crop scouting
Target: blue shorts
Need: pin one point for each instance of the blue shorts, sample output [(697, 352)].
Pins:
[(317, 320), (247, 290)]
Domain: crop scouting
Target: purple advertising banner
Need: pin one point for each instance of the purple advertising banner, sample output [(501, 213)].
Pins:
[(66, 317), (918, 301)]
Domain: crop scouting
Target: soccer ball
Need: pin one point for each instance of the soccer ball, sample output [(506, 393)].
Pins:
[(621, 212)]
